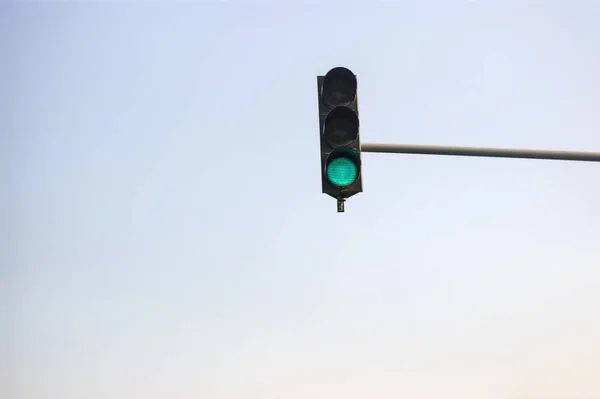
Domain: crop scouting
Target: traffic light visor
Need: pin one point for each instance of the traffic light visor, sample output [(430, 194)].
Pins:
[(341, 127), (339, 87), (342, 168)]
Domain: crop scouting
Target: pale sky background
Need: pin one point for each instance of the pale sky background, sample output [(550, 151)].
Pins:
[(165, 234)]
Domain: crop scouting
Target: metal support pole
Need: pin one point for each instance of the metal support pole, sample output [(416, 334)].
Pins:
[(481, 152), (340, 204)]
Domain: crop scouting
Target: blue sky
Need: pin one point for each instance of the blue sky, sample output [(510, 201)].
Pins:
[(166, 235)]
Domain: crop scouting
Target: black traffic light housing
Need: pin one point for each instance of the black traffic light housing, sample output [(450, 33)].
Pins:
[(339, 134)]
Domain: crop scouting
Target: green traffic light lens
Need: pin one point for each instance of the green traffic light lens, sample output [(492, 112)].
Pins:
[(342, 171)]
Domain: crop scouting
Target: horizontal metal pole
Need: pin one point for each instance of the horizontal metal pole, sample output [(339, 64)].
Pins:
[(481, 152)]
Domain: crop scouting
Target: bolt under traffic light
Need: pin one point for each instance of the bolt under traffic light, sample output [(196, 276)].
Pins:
[(339, 134)]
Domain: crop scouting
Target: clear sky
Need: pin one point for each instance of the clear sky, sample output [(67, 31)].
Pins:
[(165, 234)]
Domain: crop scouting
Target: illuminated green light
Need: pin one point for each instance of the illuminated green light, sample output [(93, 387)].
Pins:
[(342, 171)]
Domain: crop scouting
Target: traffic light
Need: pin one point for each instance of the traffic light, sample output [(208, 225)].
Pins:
[(339, 133)]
